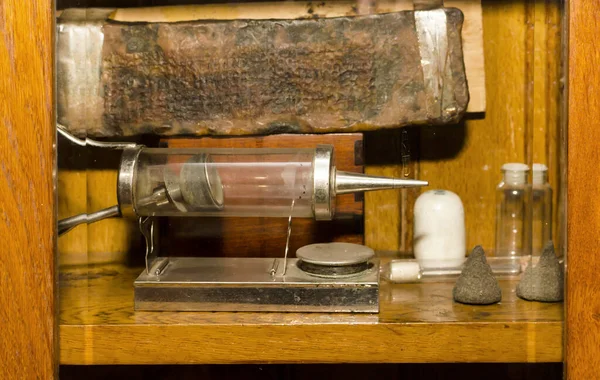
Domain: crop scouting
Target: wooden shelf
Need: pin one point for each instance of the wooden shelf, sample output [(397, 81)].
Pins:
[(417, 323)]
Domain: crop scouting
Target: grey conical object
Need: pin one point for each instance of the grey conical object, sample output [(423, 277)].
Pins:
[(477, 284), (545, 281)]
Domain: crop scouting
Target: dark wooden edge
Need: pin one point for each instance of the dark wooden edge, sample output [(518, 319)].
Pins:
[(583, 199), (28, 278)]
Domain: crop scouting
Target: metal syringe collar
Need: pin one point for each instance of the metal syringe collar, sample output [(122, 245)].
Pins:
[(323, 177), (126, 181)]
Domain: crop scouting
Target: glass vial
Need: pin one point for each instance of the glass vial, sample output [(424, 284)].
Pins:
[(513, 218), (542, 209)]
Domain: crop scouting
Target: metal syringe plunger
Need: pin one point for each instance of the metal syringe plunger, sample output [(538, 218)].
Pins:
[(239, 182)]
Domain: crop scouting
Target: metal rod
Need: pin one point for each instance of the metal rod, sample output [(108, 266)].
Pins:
[(274, 266), (89, 142), (65, 225), (287, 242)]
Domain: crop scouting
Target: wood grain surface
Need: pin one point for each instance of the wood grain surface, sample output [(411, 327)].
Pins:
[(583, 238), (28, 346), (389, 213), (549, 113), (417, 323)]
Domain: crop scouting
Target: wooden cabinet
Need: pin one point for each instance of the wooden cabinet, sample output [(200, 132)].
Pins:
[(28, 283), (582, 302), (98, 325)]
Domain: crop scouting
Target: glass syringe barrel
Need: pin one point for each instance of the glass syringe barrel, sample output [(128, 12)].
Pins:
[(224, 182), (238, 182)]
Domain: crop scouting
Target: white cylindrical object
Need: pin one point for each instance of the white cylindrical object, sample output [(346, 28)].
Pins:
[(439, 230), (403, 271)]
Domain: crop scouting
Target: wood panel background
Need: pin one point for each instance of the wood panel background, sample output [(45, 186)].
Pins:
[(583, 287), (28, 276), (467, 158), (522, 61)]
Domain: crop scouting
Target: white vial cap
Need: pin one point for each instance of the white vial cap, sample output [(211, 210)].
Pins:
[(515, 173), (540, 174)]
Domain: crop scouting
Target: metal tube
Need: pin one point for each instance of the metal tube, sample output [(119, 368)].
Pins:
[(62, 130), (65, 225)]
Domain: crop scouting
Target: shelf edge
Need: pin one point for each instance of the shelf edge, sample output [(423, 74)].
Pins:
[(312, 343)]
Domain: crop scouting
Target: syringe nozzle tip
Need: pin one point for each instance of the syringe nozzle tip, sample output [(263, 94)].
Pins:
[(357, 182), (409, 183)]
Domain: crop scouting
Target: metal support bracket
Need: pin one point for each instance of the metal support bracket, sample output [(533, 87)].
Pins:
[(149, 229)]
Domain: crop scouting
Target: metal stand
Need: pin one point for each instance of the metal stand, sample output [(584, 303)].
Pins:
[(246, 284), (149, 229)]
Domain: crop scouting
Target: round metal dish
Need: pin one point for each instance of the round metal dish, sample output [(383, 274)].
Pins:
[(335, 254)]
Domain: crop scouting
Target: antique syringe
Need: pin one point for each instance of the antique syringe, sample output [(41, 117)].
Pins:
[(232, 182)]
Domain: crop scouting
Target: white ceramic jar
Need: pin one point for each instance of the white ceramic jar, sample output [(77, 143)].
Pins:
[(439, 230)]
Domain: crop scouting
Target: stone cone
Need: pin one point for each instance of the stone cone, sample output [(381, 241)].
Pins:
[(545, 281), (477, 284)]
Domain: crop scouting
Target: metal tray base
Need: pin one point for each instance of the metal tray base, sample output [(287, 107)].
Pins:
[(246, 284)]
